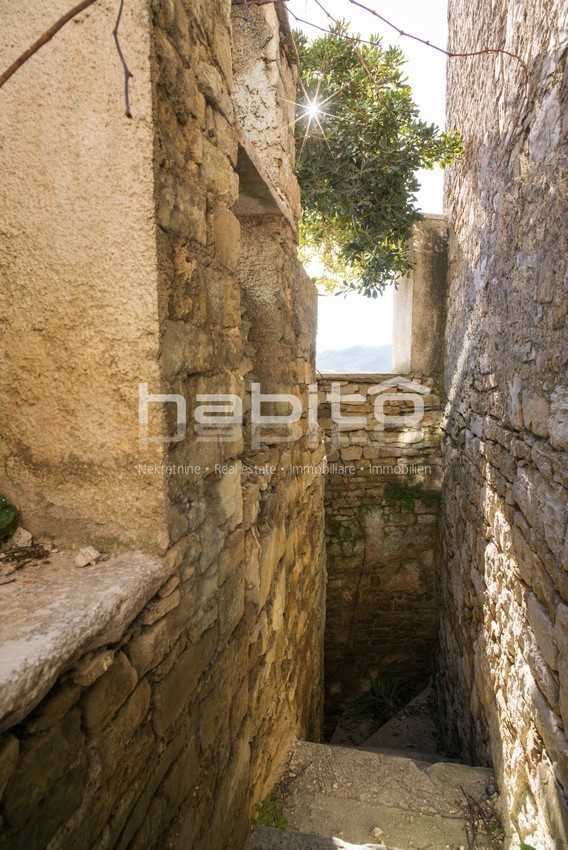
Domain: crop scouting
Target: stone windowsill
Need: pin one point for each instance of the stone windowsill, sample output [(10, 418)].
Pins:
[(53, 613)]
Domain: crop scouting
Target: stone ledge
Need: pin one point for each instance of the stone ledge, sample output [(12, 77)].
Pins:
[(55, 613), (370, 377)]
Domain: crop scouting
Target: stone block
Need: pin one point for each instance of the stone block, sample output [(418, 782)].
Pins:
[(558, 422), (543, 630), (350, 453), (53, 708), (119, 733), (158, 608), (202, 621), (231, 556), (177, 524), (251, 495), (213, 88), (231, 604), (169, 586), (152, 780), (273, 546), (149, 647), (207, 588), (212, 541), (174, 691), (225, 497), (58, 806), (102, 700), (186, 350), (227, 236), (227, 140), (514, 404), (252, 556), (536, 412), (44, 760), (92, 668), (9, 751), (182, 777), (218, 175), (279, 602), (185, 551)]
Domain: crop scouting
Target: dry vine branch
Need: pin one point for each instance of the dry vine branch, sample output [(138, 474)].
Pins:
[(257, 2), (47, 36), (127, 74), (452, 54), (449, 53), (54, 29)]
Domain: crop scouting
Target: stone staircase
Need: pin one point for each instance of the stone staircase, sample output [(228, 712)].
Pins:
[(375, 797)]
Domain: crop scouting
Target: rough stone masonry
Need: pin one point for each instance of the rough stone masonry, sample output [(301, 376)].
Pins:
[(503, 638), (382, 505), (148, 701)]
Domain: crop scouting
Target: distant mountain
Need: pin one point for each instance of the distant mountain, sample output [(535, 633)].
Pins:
[(359, 358)]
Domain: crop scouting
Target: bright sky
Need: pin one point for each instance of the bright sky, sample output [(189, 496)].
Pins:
[(355, 320)]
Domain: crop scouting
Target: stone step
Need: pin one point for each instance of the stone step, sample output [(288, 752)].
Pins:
[(361, 797), (411, 733), (268, 838), (409, 753), (412, 728)]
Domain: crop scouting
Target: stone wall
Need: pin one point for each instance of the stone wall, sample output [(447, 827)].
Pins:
[(503, 667), (182, 719), (382, 504)]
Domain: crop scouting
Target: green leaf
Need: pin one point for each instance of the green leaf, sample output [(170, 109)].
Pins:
[(8, 515), (357, 166), (268, 813)]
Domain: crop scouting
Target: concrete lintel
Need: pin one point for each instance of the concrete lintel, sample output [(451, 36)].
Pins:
[(257, 195), (68, 611)]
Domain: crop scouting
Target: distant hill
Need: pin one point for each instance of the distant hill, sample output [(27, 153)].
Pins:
[(359, 358)]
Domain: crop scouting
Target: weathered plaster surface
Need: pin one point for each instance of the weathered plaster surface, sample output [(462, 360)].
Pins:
[(419, 302), (78, 265)]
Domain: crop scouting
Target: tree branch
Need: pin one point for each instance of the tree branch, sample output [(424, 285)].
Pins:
[(507, 144), (47, 36)]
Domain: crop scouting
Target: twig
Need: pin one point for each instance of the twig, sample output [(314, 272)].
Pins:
[(47, 36), (356, 40), (54, 29), (258, 2), (357, 52), (449, 53), (127, 74), (452, 54)]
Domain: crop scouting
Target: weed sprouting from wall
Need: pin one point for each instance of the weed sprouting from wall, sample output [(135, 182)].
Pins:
[(8, 516), (384, 699), (399, 494)]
